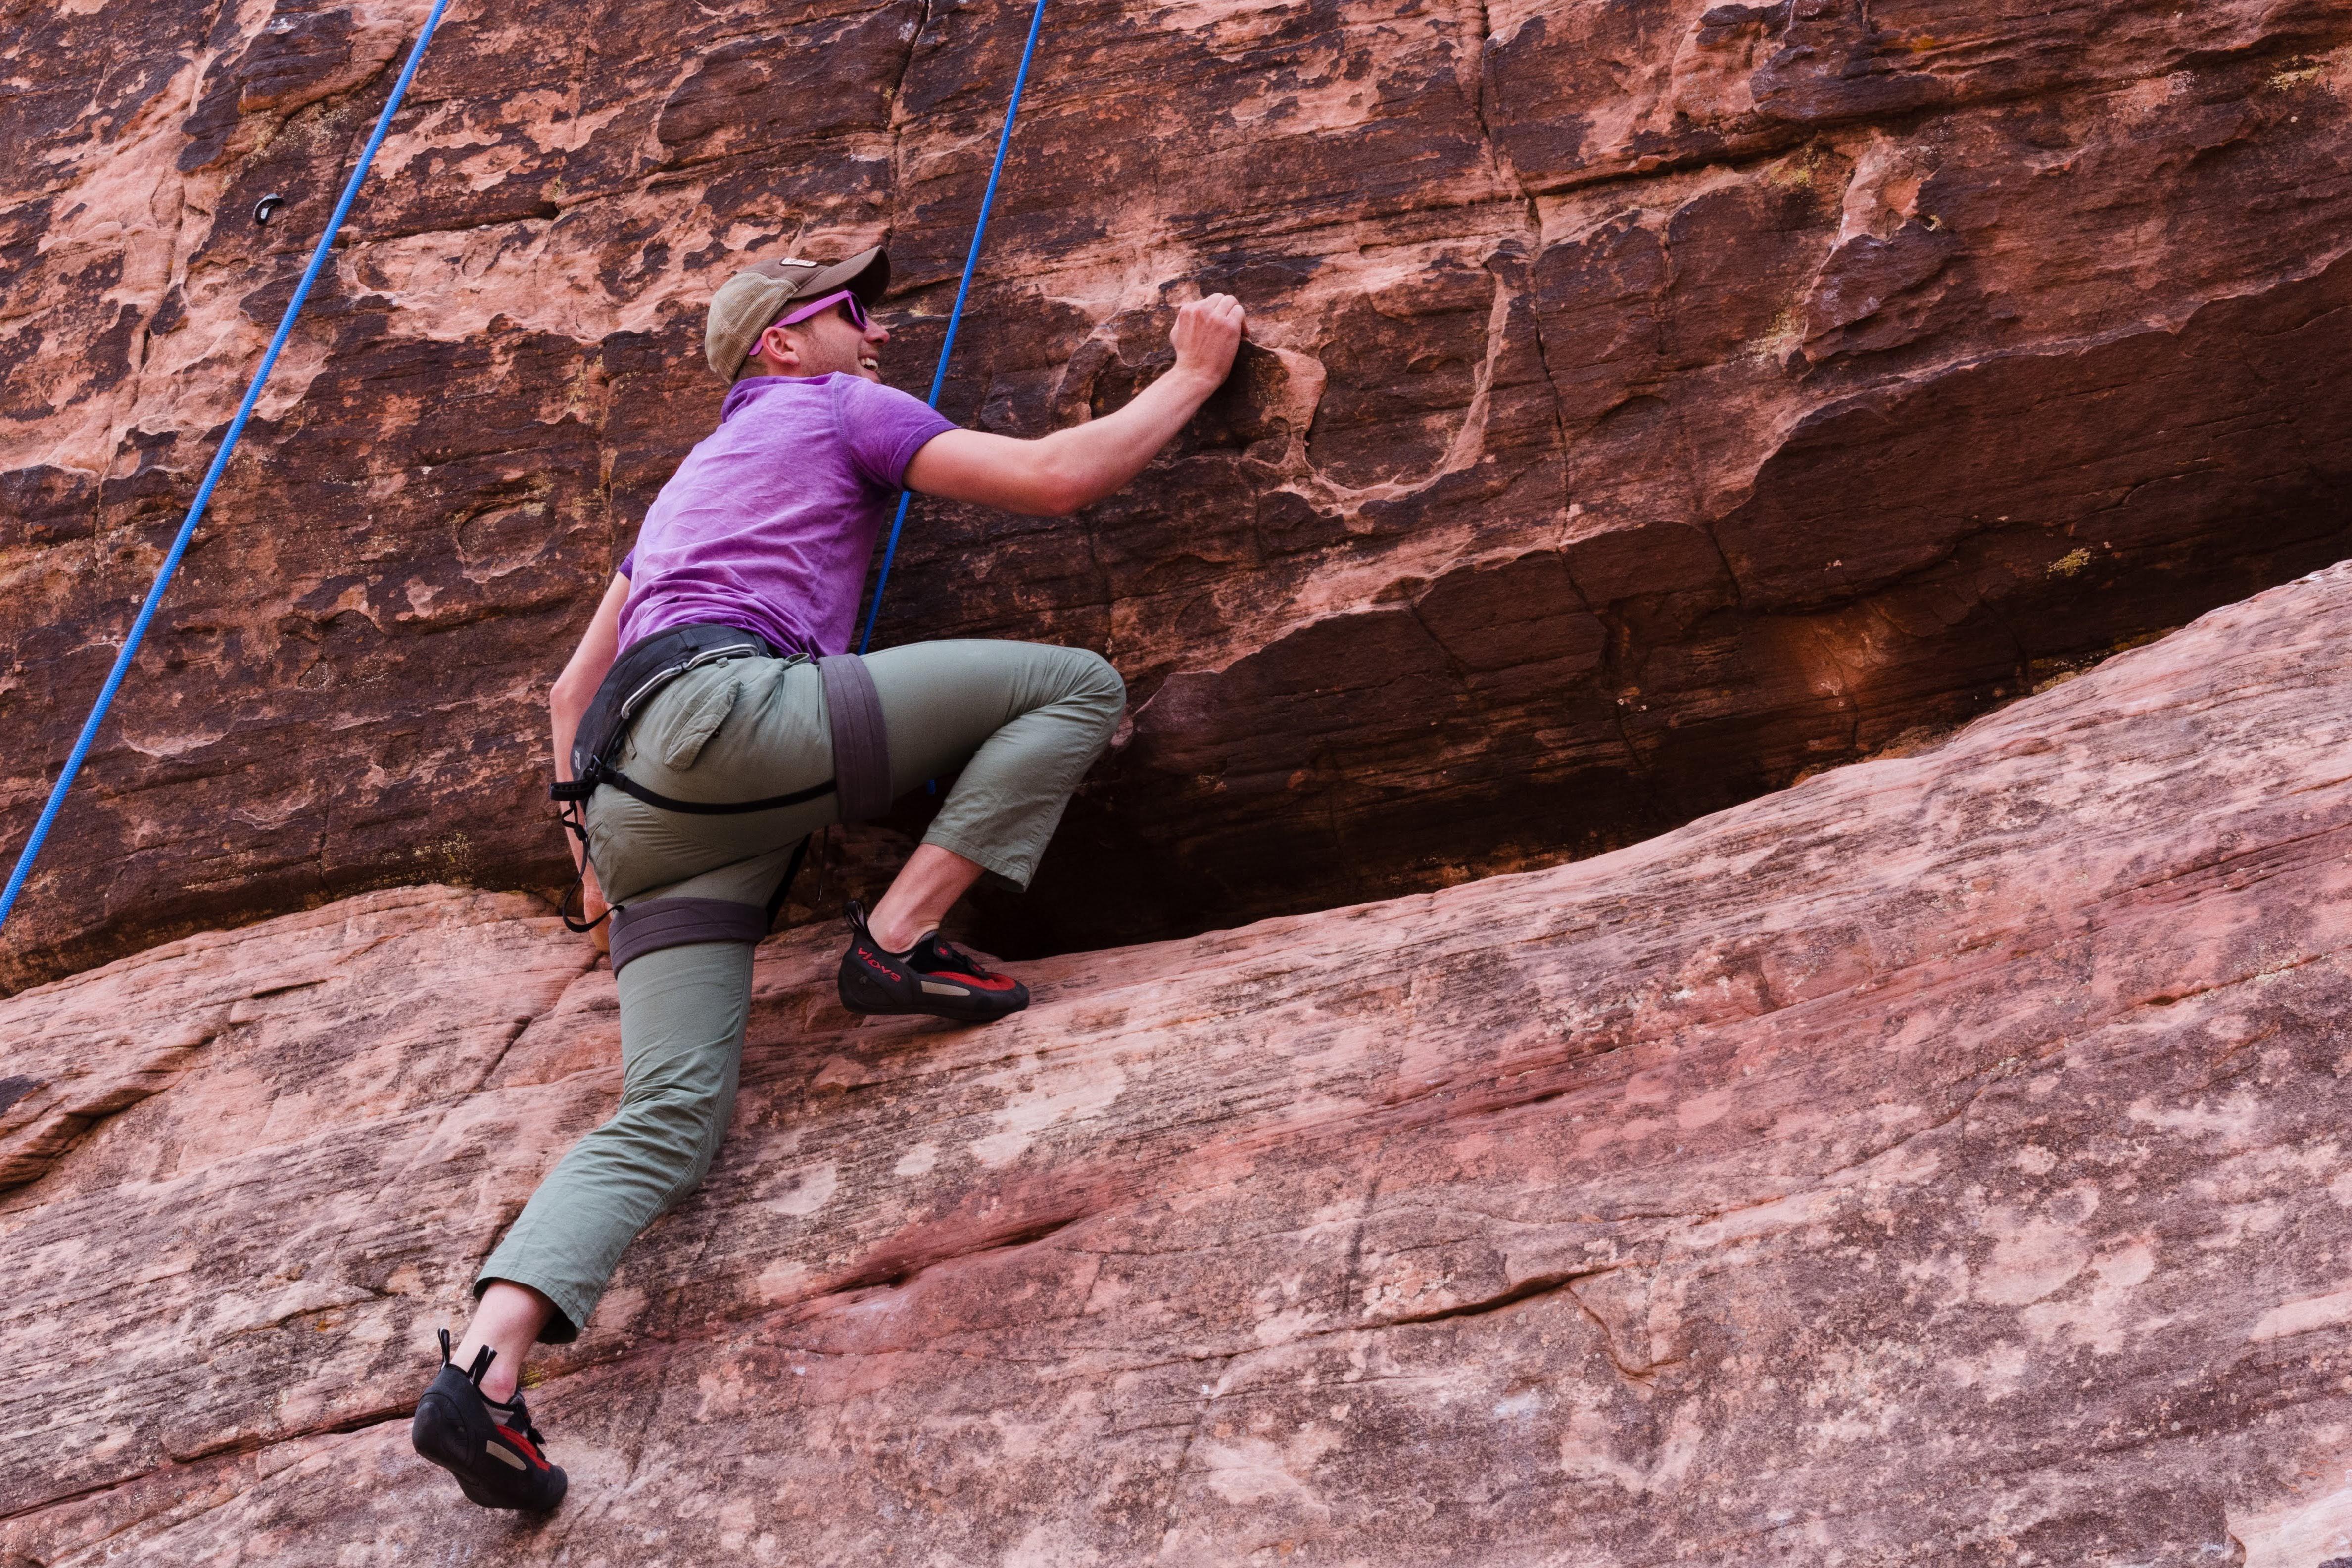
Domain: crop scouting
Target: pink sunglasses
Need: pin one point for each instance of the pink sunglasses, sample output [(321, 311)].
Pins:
[(857, 317)]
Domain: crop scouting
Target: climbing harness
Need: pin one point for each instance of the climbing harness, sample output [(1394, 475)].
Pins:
[(212, 475), (861, 747), (955, 316), (635, 679)]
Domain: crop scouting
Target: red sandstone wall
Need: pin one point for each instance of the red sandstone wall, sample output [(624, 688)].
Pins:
[(1939, 1165), (1658, 401)]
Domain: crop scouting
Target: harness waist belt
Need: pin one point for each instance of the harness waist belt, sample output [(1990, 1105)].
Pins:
[(643, 669), (861, 749)]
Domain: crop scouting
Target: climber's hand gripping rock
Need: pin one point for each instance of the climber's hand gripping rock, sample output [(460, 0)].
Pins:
[(1057, 474), (1207, 335)]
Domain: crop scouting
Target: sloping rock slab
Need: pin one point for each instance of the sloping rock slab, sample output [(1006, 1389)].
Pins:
[(1939, 1162)]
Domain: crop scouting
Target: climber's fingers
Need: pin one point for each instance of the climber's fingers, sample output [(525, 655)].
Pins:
[(593, 907), (1207, 335)]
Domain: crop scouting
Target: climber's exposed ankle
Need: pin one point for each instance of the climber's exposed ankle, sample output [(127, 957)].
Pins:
[(507, 1323), (499, 1383), (901, 937), (920, 897)]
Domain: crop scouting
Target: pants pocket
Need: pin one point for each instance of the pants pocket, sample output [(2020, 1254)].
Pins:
[(699, 723)]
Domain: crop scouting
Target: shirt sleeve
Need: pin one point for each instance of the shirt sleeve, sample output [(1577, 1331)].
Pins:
[(628, 567), (884, 428)]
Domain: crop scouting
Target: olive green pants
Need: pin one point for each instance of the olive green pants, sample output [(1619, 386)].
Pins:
[(1022, 721)]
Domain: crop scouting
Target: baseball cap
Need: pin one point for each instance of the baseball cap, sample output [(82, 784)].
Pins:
[(748, 302)]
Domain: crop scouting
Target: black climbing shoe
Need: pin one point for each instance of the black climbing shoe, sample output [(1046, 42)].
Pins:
[(492, 1449), (929, 978)]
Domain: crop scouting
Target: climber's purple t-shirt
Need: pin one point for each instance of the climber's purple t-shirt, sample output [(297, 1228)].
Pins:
[(769, 523)]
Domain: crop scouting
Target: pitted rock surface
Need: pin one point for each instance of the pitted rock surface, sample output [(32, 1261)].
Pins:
[(1657, 401), (1940, 1162)]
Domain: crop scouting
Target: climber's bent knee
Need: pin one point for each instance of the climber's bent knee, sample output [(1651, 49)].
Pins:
[(1097, 687), (1016, 723)]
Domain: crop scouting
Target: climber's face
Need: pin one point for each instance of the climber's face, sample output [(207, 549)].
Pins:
[(826, 343)]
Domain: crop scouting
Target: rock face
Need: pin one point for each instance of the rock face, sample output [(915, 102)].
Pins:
[(1940, 1162), (1658, 400)]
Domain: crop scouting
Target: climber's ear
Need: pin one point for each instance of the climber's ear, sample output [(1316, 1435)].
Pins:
[(775, 353)]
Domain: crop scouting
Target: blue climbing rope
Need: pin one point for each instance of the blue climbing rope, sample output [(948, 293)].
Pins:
[(955, 316), (211, 476)]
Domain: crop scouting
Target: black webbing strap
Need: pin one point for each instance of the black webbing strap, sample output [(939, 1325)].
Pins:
[(579, 889), (657, 923), (861, 746), (637, 675), (628, 785), (784, 888)]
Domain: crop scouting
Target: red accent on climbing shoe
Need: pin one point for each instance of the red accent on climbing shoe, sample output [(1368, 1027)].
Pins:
[(521, 1442), (985, 982)]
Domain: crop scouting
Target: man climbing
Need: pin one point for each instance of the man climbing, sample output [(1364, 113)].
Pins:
[(719, 724)]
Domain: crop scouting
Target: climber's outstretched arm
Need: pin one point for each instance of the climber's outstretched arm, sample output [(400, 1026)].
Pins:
[(1058, 473)]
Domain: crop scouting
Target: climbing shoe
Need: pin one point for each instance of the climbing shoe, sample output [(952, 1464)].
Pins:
[(492, 1449), (932, 976)]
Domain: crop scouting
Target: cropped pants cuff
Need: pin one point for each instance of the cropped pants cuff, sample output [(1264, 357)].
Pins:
[(572, 1307), (1009, 872)]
